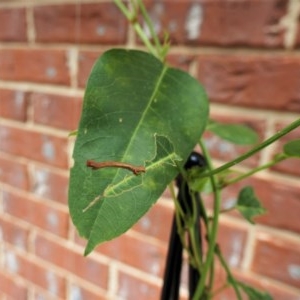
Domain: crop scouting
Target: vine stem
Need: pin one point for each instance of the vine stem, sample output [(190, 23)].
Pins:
[(230, 277), (255, 170), (150, 26), (212, 233), (132, 17), (254, 150)]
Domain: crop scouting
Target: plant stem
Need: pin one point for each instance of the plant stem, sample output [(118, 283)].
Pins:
[(196, 251), (124, 9), (255, 170), (219, 290), (194, 234), (254, 150), (145, 39), (150, 26), (212, 233), (132, 18), (230, 277)]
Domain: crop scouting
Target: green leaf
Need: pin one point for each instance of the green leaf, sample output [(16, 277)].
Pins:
[(248, 204), (254, 294), (198, 183), (292, 148), (137, 111), (234, 133)]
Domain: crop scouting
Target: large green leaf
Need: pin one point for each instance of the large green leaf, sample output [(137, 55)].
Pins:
[(139, 111)]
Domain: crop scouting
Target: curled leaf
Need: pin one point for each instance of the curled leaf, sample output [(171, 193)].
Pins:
[(248, 204)]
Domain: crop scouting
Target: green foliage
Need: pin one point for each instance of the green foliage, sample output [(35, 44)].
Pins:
[(139, 111), (292, 148), (248, 204), (235, 133)]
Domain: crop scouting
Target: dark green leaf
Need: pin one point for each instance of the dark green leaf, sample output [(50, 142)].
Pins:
[(234, 133), (254, 294), (292, 148), (138, 111), (248, 204)]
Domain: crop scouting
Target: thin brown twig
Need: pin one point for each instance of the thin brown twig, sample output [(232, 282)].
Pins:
[(136, 170)]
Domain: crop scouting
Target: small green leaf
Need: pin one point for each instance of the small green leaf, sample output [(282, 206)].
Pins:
[(202, 185), (292, 148), (254, 294), (198, 183), (234, 133), (248, 204)]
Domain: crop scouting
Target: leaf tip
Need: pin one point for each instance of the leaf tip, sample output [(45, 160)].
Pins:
[(88, 249)]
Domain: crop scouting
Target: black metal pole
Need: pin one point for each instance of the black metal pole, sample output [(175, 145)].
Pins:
[(172, 274), (171, 285)]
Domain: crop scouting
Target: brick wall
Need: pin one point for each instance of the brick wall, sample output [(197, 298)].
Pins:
[(246, 53)]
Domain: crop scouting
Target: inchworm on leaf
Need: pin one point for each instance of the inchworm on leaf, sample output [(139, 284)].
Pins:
[(136, 170)]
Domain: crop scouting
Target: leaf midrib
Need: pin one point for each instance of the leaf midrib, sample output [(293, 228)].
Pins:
[(157, 85)]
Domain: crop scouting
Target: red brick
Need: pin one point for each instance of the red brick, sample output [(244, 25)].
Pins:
[(140, 254), (297, 38), (156, 223), (39, 294), (11, 287), (86, 60), (136, 288), (57, 111), (263, 284), (181, 61), (36, 213), (265, 81), (63, 256), (49, 184), (292, 165), (220, 279), (232, 241), (34, 145), (34, 65), (32, 270), (14, 104), (84, 23), (226, 151), (230, 23), (220, 23), (277, 291), (81, 291), (14, 233), (14, 173), (277, 258), (13, 25), (281, 201)]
